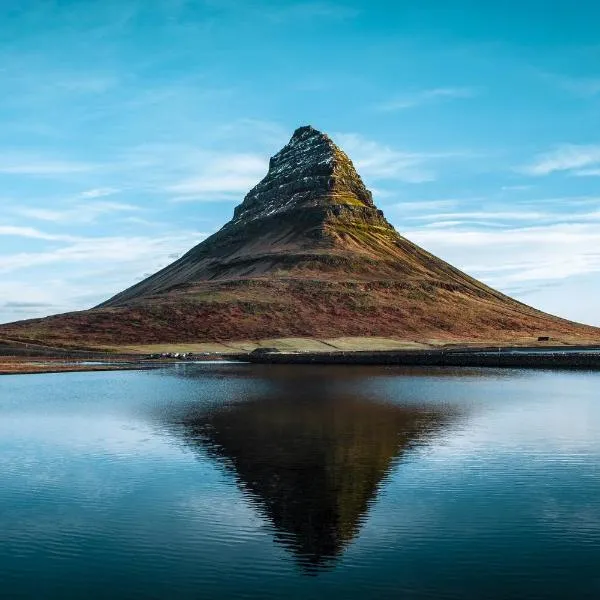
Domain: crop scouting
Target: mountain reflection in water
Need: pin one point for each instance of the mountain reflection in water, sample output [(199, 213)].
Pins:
[(310, 456)]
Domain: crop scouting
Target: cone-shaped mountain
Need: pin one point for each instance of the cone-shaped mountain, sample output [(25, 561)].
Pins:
[(307, 253), (310, 210)]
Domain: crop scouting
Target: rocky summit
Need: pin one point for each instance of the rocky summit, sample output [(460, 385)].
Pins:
[(306, 254)]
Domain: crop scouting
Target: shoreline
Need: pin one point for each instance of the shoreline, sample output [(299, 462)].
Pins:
[(39, 367), (43, 365), (515, 357)]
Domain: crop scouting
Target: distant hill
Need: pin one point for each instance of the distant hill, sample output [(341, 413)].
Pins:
[(307, 254)]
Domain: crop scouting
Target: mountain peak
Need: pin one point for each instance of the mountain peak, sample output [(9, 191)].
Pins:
[(305, 131), (310, 170)]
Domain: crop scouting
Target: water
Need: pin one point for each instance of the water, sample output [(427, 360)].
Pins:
[(250, 481), (548, 351)]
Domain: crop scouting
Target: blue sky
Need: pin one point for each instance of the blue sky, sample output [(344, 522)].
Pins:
[(130, 129)]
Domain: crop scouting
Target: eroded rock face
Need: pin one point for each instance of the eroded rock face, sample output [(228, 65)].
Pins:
[(309, 171), (311, 193)]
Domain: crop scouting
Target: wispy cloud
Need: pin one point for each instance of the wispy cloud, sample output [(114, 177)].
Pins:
[(425, 205), (119, 251), (31, 232), (101, 266), (25, 75), (534, 211), (584, 86), (411, 100), (84, 84), (528, 254), (99, 192), (519, 215), (223, 177), (587, 173), (82, 213), (516, 188), (378, 161), (559, 250), (81, 272), (267, 134), (15, 164), (566, 157), (579, 86)]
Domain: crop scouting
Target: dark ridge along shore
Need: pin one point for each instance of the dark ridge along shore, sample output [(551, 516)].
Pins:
[(585, 358)]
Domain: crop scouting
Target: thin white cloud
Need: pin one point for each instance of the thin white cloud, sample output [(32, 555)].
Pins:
[(561, 201), (222, 177), (12, 164), (82, 272), (84, 84), (441, 224), (579, 86), (99, 192), (516, 188), (546, 265), (82, 213), (529, 254), (268, 134), (120, 250), (378, 161), (566, 157), (587, 173), (31, 232), (425, 205), (519, 215), (411, 100)]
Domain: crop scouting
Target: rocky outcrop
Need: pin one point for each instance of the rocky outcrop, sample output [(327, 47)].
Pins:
[(310, 171)]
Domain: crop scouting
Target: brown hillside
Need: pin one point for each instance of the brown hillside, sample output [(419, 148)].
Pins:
[(306, 254)]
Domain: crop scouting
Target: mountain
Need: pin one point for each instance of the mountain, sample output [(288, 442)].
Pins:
[(306, 254)]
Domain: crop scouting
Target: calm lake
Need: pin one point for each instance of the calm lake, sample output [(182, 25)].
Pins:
[(254, 481)]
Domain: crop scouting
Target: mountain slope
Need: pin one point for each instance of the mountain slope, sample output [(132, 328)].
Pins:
[(307, 253)]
